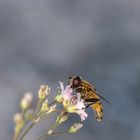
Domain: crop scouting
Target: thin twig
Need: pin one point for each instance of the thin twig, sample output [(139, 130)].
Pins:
[(38, 108), (36, 115), (26, 131), (53, 102), (52, 128), (43, 137), (58, 133)]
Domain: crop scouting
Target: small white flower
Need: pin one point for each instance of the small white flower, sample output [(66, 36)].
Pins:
[(66, 92), (77, 106), (65, 95)]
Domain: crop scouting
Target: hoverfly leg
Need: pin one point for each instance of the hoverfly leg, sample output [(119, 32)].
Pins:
[(91, 101), (79, 89), (88, 105)]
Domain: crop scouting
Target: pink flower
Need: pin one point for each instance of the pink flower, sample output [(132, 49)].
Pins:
[(77, 105), (65, 94), (72, 103)]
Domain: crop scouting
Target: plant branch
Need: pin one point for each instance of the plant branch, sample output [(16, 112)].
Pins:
[(53, 102), (26, 131), (58, 133)]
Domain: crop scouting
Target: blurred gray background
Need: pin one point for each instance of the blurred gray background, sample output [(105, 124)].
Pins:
[(44, 41)]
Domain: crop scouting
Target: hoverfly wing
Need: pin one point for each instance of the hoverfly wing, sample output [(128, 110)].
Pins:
[(104, 99)]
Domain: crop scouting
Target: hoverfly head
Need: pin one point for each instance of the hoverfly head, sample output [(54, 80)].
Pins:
[(75, 81)]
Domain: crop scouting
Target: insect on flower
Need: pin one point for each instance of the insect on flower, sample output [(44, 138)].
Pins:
[(76, 105), (65, 95), (72, 103), (88, 94)]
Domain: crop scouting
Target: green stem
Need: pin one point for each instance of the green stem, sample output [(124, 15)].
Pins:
[(26, 131), (33, 123), (15, 137), (58, 133), (38, 108), (43, 137), (36, 115), (53, 102)]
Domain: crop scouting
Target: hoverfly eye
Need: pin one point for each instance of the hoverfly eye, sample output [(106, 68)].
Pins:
[(76, 82)]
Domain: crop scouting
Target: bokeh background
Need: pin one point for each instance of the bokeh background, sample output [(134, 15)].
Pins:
[(44, 41)]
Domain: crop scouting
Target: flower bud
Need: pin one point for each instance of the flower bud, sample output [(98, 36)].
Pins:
[(18, 118), (50, 132), (62, 117), (36, 120), (28, 96), (59, 98), (51, 109), (75, 127), (45, 106), (29, 114), (24, 104), (19, 122), (43, 92), (26, 101)]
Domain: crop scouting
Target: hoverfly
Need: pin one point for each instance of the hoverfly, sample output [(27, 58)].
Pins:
[(88, 94)]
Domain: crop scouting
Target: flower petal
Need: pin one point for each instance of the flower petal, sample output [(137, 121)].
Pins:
[(82, 114), (61, 85)]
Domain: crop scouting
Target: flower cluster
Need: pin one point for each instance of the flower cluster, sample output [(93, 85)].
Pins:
[(70, 101)]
